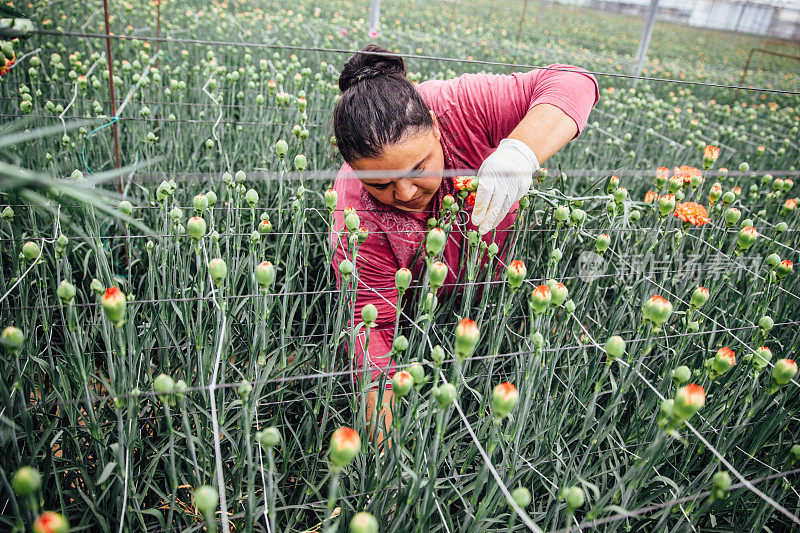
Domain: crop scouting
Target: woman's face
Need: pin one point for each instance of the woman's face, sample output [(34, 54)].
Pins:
[(414, 153)]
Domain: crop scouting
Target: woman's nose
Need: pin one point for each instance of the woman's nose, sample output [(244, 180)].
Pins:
[(404, 190)]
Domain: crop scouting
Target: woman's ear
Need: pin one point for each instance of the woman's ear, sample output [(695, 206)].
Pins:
[(436, 132)]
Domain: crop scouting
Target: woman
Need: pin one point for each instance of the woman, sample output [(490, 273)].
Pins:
[(503, 125)]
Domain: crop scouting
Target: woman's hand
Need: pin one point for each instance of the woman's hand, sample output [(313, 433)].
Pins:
[(504, 177)]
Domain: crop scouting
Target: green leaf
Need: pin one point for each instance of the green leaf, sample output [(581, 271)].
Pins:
[(106, 472)]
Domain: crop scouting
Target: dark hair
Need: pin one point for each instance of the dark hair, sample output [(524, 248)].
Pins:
[(378, 104)]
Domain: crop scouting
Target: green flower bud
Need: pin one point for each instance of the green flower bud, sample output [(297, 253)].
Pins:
[(300, 162), (467, 336), (574, 497), (699, 297), (346, 267), (681, 375), (206, 500), (435, 241), (265, 226), (66, 292), (561, 213), (400, 344), (402, 279), (352, 221), (522, 497), (176, 214), (30, 251), (96, 286), (369, 314), (555, 255), (437, 273), (196, 226), (211, 196), (747, 237), (331, 199), (244, 389), (417, 371), (437, 355), (114, 303), (12, 338), (201, 202), (281, 148), (444, 394), (164, 386), (493, 249), (8, 213), (615, 347), (688, 400), (363, 522), (125, 207), (26, 481), (251, 196), (721, 483), (240, 177), (773, 260), (766, 323), (218, 270), (402, 383), (602, 243), (795, 451), (760, 358), (345, 445), (578, 216), (180, 389), (269, 437), (783, 371), (265, 274), (504, 399), (569, 306)]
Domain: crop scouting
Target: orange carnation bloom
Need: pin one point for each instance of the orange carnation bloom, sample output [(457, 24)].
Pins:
[(650, 196), (686, 172), (692, 213), (464, 183)]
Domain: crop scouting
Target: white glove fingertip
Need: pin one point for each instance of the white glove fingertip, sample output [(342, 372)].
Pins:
[(483, 198)]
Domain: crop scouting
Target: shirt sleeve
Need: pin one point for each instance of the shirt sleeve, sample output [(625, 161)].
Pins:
[(497, 103), (375, 270)]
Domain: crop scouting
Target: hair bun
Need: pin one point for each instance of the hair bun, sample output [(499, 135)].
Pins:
[(376, 62)]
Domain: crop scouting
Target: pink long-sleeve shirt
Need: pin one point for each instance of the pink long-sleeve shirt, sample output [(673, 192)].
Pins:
[(475, 112)]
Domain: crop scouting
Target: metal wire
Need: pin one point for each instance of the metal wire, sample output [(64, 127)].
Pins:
[(396, 366), (85, 35)]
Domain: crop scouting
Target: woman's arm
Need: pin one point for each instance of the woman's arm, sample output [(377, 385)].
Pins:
[(545, 129), (530, 117)]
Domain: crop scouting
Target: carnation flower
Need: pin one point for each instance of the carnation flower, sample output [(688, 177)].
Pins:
[(345, 444), (692, 213), (467, 337), (687, 173), (465, 183), (516, 273), (504, 399)]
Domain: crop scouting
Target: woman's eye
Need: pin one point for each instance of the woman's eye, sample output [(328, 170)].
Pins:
[(380, 187)]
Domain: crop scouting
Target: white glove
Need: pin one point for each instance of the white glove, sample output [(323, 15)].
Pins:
[(504, 177)]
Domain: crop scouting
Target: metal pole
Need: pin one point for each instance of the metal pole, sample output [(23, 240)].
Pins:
[(158, 28), (644, 42), (110, 63), (522, 20), (374, 15)]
